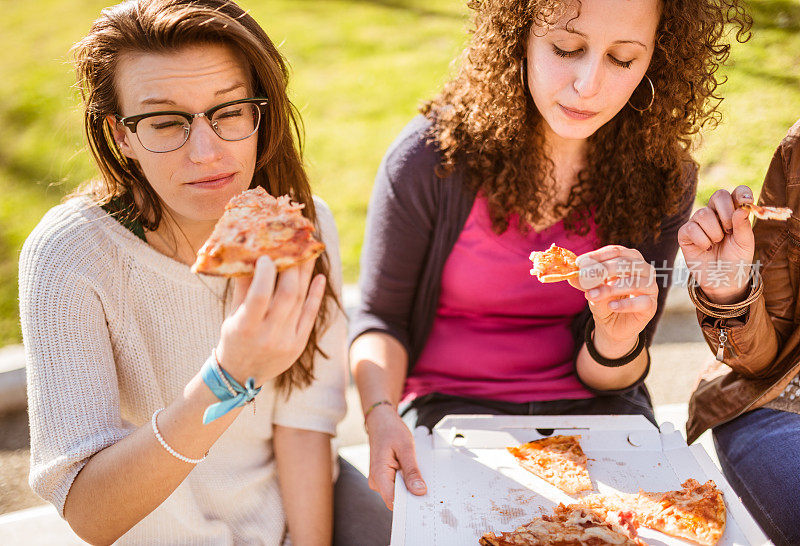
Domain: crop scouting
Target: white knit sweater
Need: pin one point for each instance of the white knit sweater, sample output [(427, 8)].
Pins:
[(114, 330)]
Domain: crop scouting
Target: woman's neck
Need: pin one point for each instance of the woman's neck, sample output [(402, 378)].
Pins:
[(568, 155), (179, 238)]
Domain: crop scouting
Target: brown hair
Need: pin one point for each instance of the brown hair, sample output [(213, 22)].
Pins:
[(164, 25), (635, 175)]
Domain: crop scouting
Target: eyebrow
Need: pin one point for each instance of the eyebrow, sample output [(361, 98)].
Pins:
[(579, 33), (156, 100)]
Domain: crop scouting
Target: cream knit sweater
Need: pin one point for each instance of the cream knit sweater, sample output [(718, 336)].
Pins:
[(114, 330)]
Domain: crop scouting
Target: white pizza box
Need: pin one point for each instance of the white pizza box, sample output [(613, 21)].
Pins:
[(475, 485)]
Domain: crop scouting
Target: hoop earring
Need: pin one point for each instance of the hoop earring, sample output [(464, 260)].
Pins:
[(652, 97), (523, 75)]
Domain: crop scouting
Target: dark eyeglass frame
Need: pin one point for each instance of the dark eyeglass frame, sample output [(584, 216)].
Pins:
[(132, 121)]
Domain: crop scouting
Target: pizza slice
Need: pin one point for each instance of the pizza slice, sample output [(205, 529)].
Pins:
[(257, 224), (558, 460), (696, 512), (554, 264), (768, 213), (570, 526)]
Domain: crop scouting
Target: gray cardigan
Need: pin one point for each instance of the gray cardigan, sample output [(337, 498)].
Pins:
[(414, 220)]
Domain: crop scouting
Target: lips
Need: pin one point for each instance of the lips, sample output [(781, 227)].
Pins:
[(214, 181), (574, 113)]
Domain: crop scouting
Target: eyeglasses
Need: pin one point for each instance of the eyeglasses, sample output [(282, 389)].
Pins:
[(166, 131)]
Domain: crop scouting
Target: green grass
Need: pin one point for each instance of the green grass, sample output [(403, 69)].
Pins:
[(360, 69)]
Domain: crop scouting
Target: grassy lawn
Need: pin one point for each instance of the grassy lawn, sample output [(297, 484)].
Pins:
[(361, 67)]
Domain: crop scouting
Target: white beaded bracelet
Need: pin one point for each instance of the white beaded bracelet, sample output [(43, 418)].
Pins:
[(166, 446)]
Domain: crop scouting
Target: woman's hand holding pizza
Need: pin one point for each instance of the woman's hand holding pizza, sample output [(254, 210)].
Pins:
[(622, 292), (718, 245), (272, 321)]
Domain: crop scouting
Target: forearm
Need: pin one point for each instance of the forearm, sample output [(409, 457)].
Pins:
[(378, 362), (305, 475), (123, 483), (607, 378)]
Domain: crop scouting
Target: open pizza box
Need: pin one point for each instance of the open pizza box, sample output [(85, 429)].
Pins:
[(475, 485)]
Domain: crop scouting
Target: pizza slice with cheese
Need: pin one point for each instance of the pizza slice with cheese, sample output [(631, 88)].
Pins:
[(696, 512), (554, 264), (570, 526), (257, 224), (768, 213), (559, 460)]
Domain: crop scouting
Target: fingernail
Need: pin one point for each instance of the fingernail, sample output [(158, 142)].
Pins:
[(419, 484), (593, 293), (613, 305)]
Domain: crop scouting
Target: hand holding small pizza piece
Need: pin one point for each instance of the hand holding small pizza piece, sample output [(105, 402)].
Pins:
[(622, 292), (719, 245), (270, 328), (259, 239)]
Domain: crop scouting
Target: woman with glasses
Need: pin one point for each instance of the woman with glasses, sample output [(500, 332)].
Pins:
[(568, 123), (132, 359)]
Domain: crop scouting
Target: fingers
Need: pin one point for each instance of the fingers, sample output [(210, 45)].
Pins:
[(411, 474), (741, 195), (310, 309), (288, 295), (240, 288), (306, 270), (382, 481), (637, 304), (722, 204), (613, 261), (692, 235), (259, 292), (710, 223)]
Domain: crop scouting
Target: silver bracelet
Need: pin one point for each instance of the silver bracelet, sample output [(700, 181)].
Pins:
[(166, 446)]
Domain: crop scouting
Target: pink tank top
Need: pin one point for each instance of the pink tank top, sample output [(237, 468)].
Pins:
[(499, 333)]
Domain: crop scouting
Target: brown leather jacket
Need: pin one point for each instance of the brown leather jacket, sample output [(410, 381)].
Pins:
[(762, 352)]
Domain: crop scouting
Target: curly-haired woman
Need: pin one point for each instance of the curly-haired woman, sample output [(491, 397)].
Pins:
[(133, 437), (568, 122), (750, 395)]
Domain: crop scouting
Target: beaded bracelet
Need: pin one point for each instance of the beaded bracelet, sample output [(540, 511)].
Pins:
[(166, 446), (375, 405)]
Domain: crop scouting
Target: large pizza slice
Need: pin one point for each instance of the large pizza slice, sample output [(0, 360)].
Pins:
[(768, 213), (554, 264), (559, 460), (696, 512), (570, 526), (257, 224)]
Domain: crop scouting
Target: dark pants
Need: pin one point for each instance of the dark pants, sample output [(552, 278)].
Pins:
[(361, 518), (760, 455)]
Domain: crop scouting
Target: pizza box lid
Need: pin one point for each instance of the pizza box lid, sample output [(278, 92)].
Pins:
[(475, 485)]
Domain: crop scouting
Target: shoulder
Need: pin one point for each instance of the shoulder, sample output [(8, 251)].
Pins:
[(790, 150), (70, 236), (413, 151)]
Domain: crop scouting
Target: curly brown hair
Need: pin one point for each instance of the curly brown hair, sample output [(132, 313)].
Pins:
[(635, 175), (167, 25)]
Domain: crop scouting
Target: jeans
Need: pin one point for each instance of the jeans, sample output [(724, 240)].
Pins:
[(361, 518), (760, 456)]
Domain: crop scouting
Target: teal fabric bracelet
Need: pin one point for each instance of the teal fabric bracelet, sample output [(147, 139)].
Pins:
[(230, 393)]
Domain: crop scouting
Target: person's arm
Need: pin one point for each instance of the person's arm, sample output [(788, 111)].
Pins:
[(752, 341), (378, 362), (621, 311), (303, 458), (124, 482), (400, 224), (108, 476)]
